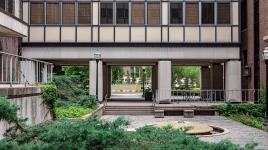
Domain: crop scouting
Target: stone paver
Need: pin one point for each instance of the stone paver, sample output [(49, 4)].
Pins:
[(238, 133)]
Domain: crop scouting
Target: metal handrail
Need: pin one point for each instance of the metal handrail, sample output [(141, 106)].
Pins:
[(16, 69)]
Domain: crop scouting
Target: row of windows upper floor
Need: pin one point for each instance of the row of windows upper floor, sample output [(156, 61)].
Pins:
[(11, 7), (206, 12)]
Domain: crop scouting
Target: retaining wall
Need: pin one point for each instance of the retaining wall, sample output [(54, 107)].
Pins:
[(30, 103)]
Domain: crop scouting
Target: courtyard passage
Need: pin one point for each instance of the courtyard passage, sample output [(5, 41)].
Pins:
[(238, 133)]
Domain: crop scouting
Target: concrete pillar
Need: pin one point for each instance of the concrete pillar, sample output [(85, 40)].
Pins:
[(92, 79), (164, 81), (205, 78), (233, 81)]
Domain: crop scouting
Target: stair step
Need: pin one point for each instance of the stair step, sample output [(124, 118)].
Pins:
[(128, 113)]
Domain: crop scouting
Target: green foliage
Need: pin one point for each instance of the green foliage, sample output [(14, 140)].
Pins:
[(255, 110), (8, 112), (248, 114), (81, 71), (49, 95), (248, 120), (117, 74), (72, 111), (70, 92), (190, 76), (96, 135)]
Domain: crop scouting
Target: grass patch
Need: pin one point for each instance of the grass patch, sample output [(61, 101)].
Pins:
[(72, 111)]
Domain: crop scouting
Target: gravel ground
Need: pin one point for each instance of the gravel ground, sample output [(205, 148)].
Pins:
[(238, 133)]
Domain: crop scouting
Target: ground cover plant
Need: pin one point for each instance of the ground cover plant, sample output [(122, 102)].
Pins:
[(94, 134), (73, 99), (246, 113)]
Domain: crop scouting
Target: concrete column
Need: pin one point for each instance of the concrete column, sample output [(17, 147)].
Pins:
[(92, 79), (233, 81), (164, 81), (205, 78)]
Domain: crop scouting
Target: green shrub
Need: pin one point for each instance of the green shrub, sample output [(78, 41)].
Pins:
[(8, 112), (248, 120), (49, 95), (71, 92), (97, 135), (256, 110), (71, 111)]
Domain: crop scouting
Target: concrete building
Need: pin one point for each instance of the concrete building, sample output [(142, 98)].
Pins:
[(254, 29), (155, 33)]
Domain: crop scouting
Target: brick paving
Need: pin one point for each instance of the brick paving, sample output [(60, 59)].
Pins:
[(238, 133)]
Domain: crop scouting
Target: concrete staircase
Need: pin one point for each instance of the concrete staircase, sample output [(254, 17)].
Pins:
[(129, 110)]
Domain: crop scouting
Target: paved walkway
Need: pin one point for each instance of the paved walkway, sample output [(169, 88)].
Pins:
[(239, 133)]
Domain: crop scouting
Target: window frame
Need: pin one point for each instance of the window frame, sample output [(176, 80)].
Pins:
[(214, 14), (43, 14), (144, 14), (62, 13), (128, 20), (147, 13), (230, 13), (183, 13), (106, 2), (91, 12)]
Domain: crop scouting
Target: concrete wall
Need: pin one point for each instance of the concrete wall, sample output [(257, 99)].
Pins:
[(30, 103)]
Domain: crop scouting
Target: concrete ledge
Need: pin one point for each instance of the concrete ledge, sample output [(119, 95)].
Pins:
[(159, 114), (97, 112), (14, 92), (188, 113)]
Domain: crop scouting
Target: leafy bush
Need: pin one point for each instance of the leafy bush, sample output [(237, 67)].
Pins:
[(256, 110), (96, 135), (8, 112), (71, 111), (49, 95), (248, 120), (71, 92)]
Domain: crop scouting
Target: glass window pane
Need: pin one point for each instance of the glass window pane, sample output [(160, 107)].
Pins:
[(2, 4), (192, 13), (224, 13), (106, 13), (10, 6), (122, 13), (153, 13), (53, 13), (176, 13), (137, 13), (208, 13), (84, 13), (68, 10), (37, 13)]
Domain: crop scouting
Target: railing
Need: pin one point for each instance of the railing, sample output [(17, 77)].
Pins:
[(210, 96), (16, 69)]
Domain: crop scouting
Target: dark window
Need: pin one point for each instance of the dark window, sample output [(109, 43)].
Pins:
[(137, 13), (3, 4), (208, 13), (106, 13), (37, 13), (68, 16), (192, 13), (153, 13), (224, 13), (176, 13), (84, 13), (121, 13), (10, 6), (53, 13)]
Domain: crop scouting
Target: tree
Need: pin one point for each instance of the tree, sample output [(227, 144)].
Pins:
[(117, 74)]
